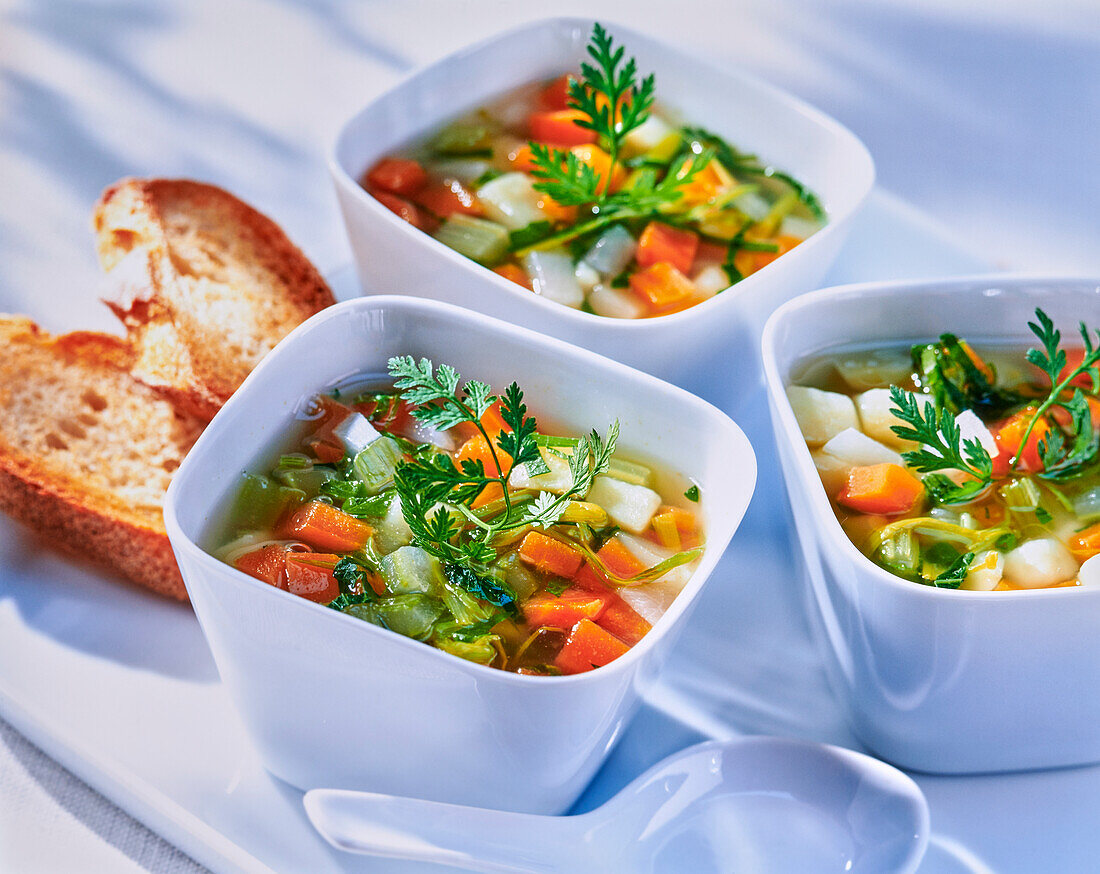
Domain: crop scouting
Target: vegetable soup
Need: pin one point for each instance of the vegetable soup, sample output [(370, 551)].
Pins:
[(961, 467), (441, 512), (625, 214)]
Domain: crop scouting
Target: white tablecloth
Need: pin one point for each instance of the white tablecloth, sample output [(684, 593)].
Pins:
[(985, 115)]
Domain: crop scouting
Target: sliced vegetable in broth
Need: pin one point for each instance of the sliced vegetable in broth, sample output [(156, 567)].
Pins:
[(623, 213), (438, 510), (958, 467)]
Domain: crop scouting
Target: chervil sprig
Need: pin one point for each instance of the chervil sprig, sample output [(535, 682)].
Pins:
[(1053, 361), (437, 495), (611, 103), (942, 449)]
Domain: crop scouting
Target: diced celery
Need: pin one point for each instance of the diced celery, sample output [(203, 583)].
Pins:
[(553, 276), (484, 241), (612, 252), (375, 464), (462, 138), (261, 501), (664, 150), (464, 607), (481, 650), (407, 570), (1021, 495), (410, 615), (584, 512), (308, 481), (630, 472), (779, 210), (901, 554), (465, 170), (629, 506), (516, 575), (1086, 506), (511, 200), (391, 532), (753, 205)]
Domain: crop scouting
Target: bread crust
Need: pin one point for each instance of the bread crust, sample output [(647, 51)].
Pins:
[(198, 238), (52, 498)]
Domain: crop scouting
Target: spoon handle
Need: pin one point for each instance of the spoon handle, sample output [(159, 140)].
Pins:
[(429, 831)]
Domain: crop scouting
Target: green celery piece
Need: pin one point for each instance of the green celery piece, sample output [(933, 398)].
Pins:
[(463, 138), (479, 239), (412, 615), (481, 650), (376, 462), (261, 501), (307, 480), (409, 570), (630, 472)]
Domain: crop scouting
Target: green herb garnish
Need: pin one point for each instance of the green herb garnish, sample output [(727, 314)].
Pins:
[(437, 496), (692, 494), (955, 575), (939, 434)]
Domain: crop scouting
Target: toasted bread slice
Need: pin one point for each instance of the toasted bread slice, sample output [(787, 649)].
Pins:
[(206, 285), (86, 451)]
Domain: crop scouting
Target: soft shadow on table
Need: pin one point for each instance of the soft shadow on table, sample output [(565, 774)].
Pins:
[(87, 806), (86, 608)]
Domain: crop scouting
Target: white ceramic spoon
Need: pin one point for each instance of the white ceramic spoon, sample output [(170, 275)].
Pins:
[(752, 805)]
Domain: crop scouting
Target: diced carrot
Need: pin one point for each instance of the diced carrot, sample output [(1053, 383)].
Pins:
[(710, 181), (267, 563), (549, 555), (513, 273), (404, 209), (1085, 544), (661, 242), (623, 621), (554, 211), (662, 286), (564, 610), (620, 560), (492, 422), (477, 449), (978, 361), (1074, 356), (600, 162), (1009, 434), (1063, 417), (749, 262), (588, 646), (559, 128), (321, 442), (323, 526), (397, 176), (710, 253), (521, 159), (449, 198), (888, 489), (309, 575), (556, 95)]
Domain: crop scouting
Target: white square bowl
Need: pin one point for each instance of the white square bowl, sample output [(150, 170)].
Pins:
[(332, 701), (394, 257), (939, 680)]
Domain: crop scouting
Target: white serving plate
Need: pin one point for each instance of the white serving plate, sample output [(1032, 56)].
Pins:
[(120, 687)]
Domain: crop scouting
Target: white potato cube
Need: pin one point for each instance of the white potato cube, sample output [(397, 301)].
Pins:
[(648, 135), (972, 428), (857, 449), (511, 200), (557, 481), (985, 572), (1089, 574), (874, 406), (821, 414), (356, 433), (832, 470), (651, 600), (554, 277), (629, 506), (587, 278), (1040, 562), (392, 531), (711, 280), (616, 303)]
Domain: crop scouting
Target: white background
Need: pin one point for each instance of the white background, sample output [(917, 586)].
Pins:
[(983, 115)]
